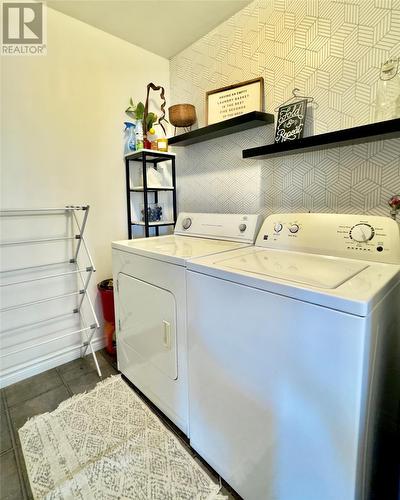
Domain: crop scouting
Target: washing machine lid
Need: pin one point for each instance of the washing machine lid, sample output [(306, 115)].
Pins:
[(174, 248), (296, 268), (347, 285)]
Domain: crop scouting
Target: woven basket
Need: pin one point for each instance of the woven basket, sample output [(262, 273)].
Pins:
[(182, 115)]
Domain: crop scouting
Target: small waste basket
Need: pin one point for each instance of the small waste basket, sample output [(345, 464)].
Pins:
[(106, 291)]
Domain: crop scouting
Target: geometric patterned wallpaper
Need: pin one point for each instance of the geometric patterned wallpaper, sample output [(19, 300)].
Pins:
[(331, 50)]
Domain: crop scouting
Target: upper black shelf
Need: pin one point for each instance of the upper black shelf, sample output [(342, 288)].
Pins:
[(356, 135), (237, 124)]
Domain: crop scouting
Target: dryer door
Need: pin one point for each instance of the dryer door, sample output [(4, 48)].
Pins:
[(148, 323)]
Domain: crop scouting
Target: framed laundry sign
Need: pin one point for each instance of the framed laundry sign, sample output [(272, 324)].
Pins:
[(290, 121), (234, 100)]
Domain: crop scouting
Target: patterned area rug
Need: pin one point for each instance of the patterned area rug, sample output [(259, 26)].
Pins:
[(107, 444)]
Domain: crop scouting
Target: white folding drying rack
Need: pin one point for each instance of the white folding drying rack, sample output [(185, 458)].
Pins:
[(88, 330)]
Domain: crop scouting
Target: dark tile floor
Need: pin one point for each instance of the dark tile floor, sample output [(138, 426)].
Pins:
[(39, 394), (43, 393)]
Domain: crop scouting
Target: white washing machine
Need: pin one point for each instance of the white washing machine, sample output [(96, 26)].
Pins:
[(150, 302), (291, 345)]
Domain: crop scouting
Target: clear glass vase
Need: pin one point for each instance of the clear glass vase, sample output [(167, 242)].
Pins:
[(387, 104)]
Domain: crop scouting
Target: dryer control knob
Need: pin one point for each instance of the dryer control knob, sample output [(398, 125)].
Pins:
[(186, 223), (242, 228), (278, 227), (294, 228)]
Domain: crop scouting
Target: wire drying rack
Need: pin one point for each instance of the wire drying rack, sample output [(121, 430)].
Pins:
[(83, 273)]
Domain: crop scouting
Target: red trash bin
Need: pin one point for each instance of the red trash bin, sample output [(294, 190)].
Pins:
[(106, 291)]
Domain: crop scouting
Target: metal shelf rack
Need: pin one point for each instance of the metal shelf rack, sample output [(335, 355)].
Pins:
[(143, 157), (83, 273)]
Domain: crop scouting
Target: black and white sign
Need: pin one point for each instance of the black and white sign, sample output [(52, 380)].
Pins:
[(234, 100), (290, 121)]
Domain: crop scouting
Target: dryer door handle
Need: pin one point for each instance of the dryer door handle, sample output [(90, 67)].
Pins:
[(167, 334)]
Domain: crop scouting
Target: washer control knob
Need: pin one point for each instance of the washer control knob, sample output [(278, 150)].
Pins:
[(242, 228), (186, 223), (362, 233), (278, 227), (294, 228)]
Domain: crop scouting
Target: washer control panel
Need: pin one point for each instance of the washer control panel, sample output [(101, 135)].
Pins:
[(371, 238)]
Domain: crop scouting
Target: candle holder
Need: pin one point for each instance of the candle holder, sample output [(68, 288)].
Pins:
[(394, 204)]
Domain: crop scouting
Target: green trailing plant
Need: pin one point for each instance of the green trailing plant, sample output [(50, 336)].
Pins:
[(135, 111), (151, 119), (138, 112)]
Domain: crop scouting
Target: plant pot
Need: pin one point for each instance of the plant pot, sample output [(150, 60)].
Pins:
[(182, 115)]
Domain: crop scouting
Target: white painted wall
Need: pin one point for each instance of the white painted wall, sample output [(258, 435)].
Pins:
[(62, 123)]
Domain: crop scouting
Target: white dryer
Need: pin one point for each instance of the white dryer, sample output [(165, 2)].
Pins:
[(150, 302), (292, 343)]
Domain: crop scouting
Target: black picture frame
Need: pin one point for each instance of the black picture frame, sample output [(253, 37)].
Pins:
[(290, 121)]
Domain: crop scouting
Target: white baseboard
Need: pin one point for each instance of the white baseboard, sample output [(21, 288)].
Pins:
[(45, 363)]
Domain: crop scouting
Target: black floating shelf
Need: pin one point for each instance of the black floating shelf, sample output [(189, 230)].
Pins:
[(231, 126), (356, 135)]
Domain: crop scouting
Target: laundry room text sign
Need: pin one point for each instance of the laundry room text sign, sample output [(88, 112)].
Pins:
[(290, 121), (235, 100)]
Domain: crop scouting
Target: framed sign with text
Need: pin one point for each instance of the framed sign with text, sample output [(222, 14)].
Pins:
[(290, 121), (234, 100)]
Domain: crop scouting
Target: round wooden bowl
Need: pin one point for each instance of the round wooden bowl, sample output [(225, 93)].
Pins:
[(182, 115)]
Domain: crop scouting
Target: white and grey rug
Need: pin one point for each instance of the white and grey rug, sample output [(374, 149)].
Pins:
[(107, 444)]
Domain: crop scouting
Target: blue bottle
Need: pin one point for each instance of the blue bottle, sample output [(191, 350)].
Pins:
[(130, 138)]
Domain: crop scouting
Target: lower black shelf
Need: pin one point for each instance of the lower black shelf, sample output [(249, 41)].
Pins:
[(154, 224)]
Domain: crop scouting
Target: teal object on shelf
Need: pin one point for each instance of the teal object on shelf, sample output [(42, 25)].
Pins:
[(130, 138)]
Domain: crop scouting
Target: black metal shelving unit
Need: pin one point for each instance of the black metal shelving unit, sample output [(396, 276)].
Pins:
[(141, 159)]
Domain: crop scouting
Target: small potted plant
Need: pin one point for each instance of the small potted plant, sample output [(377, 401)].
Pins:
[(136, 111)]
